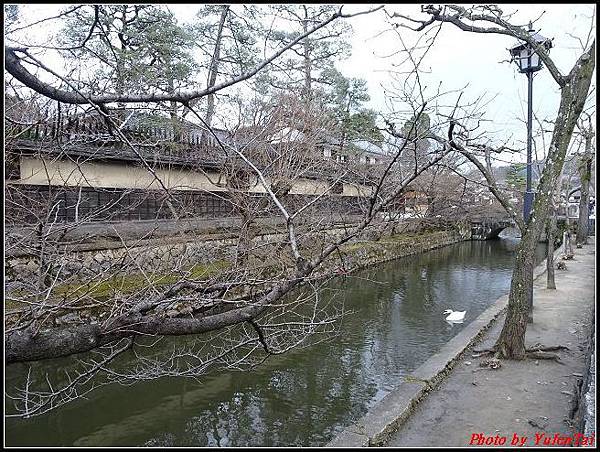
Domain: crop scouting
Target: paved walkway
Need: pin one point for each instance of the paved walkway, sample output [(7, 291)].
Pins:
[(522, 398)]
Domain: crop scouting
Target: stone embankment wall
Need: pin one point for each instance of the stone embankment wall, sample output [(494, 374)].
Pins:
[(158, 256), (368, 253), (82, 261)]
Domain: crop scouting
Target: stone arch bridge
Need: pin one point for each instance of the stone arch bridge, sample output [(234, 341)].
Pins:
[(489, 228)]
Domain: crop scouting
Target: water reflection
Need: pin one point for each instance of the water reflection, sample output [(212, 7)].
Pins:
[(305, 397)]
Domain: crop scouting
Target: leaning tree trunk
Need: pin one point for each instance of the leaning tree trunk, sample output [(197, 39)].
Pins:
[(307, 61), (569, 241), (214, 65), (551, 235), (567, 248), (550, 280), (511, 343), (585, 174), (119, 64)]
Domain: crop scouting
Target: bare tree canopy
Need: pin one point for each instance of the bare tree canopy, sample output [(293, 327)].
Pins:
[(184, 181), (13, 64), (574, 92)]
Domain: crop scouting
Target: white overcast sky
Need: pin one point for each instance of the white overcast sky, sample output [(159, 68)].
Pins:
[(479, 61), (457, 59)]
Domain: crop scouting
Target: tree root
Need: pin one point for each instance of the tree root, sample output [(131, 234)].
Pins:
[(483, 352), (544, 355), (537, 351), (541, 348)]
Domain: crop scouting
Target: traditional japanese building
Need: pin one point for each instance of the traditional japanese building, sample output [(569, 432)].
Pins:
[(79, 168)]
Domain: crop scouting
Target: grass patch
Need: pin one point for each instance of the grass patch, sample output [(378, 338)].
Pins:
[(123, 284), (126, 284)]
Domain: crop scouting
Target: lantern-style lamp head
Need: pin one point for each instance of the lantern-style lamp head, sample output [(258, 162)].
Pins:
[(524, 55)]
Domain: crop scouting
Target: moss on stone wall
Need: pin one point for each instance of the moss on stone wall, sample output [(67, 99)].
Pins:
[(352, 256), (365, 254)]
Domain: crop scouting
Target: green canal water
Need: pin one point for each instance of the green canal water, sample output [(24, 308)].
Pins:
[(305, 397)]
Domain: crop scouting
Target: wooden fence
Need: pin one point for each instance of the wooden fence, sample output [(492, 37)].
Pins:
[(91, 129), (32, 204)]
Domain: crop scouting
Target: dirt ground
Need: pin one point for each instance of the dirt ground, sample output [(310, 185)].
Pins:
[(522, 401)]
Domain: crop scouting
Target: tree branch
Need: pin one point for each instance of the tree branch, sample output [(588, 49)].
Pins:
[(13, 64)]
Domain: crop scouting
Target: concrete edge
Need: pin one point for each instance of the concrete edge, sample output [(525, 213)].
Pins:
[(375, 428)]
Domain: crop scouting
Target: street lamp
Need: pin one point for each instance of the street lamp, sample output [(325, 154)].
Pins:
[(528, 62)]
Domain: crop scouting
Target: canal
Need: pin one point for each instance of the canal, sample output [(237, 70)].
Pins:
[(307, 396)]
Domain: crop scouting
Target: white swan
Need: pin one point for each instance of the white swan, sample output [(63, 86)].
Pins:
[(455, 316)]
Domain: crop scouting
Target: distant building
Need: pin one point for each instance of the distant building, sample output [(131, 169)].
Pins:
[(353, 151), (78, 168)]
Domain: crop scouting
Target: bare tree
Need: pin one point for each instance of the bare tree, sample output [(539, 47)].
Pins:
[(585, 174), (248, 302), (118, 308), (574, 92)]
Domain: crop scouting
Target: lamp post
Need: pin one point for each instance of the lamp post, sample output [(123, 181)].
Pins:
[(528, 62)]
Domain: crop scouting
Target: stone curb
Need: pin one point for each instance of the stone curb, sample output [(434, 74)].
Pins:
[(375, 428)]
